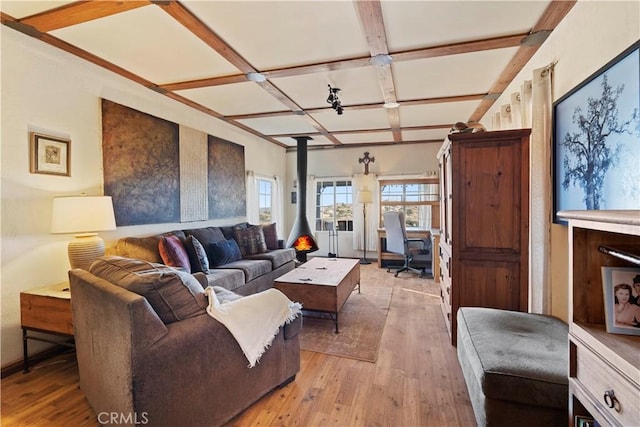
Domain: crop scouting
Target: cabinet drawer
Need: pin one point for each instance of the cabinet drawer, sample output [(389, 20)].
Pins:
[(598, 377), (46, 313)]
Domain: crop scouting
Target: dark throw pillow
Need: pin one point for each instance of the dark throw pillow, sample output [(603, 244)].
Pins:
[(173, 253), (197, 255), (250, 240), (224, 252), (270, 236)]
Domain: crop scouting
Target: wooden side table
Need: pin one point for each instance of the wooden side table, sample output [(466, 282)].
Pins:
[(46, 310)]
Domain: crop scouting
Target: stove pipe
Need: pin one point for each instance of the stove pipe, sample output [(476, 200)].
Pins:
[(301, 236)]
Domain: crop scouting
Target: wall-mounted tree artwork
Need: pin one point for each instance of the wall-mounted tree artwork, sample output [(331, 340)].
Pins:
[(597, 139)]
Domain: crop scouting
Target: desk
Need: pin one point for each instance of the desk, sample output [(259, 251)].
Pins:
[(46, 310), (382, 238)]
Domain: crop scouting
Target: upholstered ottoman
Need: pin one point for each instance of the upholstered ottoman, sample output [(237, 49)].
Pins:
[(515, 366)]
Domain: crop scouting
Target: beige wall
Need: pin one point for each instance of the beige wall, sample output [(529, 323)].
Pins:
[(47, 90), (591, 35)]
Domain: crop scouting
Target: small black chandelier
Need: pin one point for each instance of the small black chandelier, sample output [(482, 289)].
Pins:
[(334, 100)]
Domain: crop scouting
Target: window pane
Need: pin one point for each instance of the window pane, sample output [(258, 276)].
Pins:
[(265, 201), (334, 205), (414, 198)]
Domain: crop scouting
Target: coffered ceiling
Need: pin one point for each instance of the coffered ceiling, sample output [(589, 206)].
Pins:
[(439, 61)]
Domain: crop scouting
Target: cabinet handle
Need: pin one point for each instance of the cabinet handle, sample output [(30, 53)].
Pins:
[(611, 401)]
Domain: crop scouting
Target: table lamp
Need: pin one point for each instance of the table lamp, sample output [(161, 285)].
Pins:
[(83, 216), (364, 197)]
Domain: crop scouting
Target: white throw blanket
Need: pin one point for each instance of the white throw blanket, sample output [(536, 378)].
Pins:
[(254, 320)]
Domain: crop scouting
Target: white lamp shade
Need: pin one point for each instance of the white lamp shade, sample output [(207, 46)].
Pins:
[(82, 214), (365, 196)]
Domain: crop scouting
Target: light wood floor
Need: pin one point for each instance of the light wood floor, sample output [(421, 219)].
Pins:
[(416, 380)]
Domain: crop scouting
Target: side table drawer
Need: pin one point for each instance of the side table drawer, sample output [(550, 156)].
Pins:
[(46, 313), (597, 377)]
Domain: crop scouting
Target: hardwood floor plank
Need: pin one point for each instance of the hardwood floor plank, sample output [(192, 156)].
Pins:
[(416, 380)]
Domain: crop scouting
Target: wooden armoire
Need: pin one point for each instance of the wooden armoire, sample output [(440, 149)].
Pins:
[(484, 221)]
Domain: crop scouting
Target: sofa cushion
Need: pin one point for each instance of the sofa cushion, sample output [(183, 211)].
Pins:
[(173, 253), (227, 230), (277, 258), (173, 294), (270, 236), (206, 235), (224, 295), (197, 255), (226, 278), (224, 252), (144, 248), (250, 240), (517, 357), (252, 268)]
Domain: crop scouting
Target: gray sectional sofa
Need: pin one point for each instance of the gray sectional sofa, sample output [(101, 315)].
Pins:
[(149, 354), (261, 260)]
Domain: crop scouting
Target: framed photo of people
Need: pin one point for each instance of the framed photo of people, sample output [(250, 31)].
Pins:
[(621, 287)]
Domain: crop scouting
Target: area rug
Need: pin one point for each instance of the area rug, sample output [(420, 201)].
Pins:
[(361, 323)]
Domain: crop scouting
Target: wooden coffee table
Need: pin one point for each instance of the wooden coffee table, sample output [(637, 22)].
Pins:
[(321, 284)]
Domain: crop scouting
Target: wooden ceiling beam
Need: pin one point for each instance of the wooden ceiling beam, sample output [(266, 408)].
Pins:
[(208, 82), (365, 131), (431, 52), (372, 21), (459, 48), (369, 106), (551, 17), (77, 13)]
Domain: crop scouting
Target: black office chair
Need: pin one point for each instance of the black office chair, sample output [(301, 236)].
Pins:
[(398, 243)]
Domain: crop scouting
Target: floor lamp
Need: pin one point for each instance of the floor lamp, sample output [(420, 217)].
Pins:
[(364, 197)]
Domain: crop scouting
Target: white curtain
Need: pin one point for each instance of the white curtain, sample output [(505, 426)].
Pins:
[(525, 103), (540, 192), (535, 104), (505, 117), (365, 182), (253, 204), (311, 201), (516, 110), (277, 202)]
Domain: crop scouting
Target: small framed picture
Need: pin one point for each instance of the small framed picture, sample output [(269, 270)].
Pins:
[(621, 287), (49, 155)]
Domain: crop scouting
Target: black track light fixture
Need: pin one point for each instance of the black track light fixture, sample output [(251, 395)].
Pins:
[(334, 99)]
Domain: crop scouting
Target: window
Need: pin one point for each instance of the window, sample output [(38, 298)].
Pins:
[(334, 206), (265, 200), (417, 198)]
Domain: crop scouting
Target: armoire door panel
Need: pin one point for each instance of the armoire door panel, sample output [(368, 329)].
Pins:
[(489, 284), (492, 203)]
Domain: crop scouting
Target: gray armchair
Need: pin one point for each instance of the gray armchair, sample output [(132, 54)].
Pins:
[(398, 243)]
